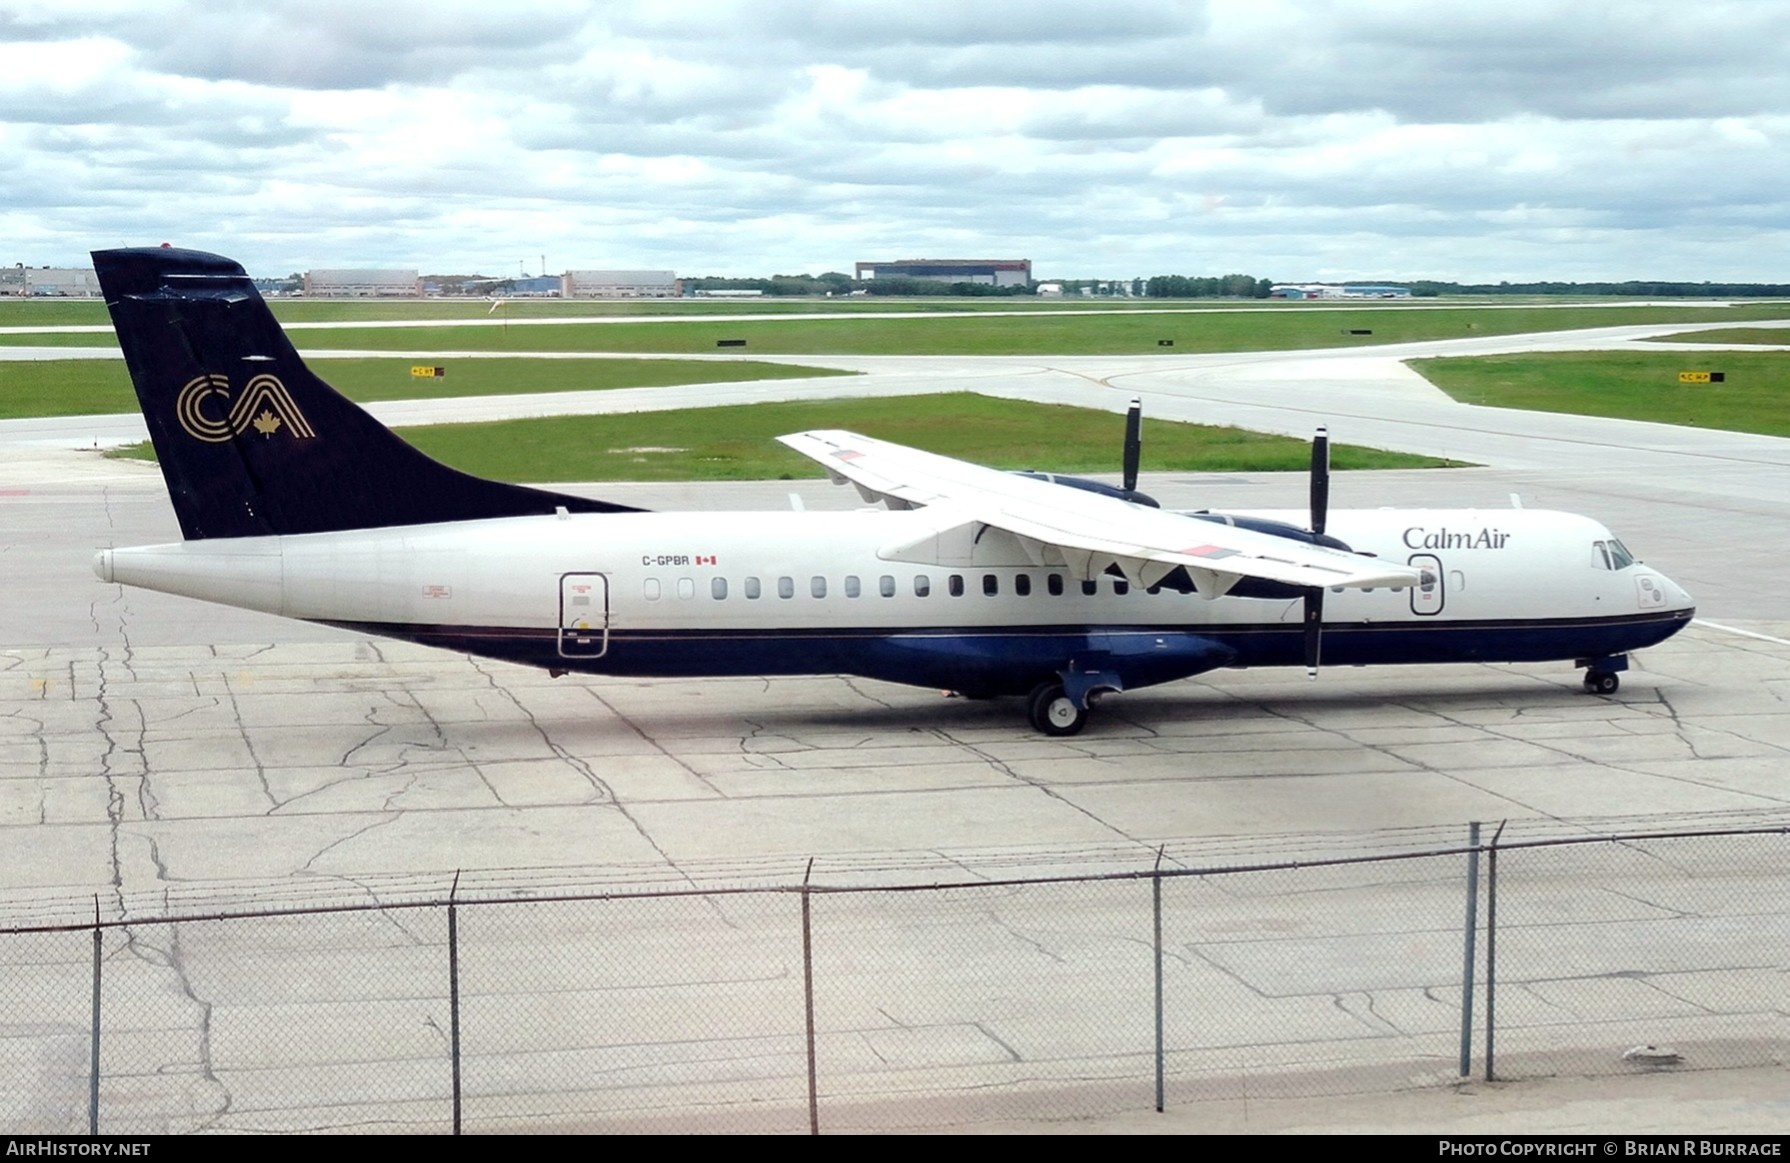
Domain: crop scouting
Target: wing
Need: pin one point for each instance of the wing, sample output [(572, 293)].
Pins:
[(1079, 530)]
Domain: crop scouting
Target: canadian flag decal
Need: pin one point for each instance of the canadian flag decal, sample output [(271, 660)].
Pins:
[(701, 560)]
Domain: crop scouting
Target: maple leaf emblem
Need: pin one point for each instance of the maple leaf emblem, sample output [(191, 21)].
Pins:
[(267, 423)]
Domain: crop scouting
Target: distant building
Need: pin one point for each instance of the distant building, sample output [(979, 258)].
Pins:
[(997, 272), (56, 282), (368, 284), (535, 287), (620, 285), (1337, 291)]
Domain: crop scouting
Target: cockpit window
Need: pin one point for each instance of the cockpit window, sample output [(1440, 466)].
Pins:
[(1611, 554)]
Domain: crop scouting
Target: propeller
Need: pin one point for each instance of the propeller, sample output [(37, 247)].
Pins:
[(1320, 479), (1134, 444), (1320, 515), (1132, 455)]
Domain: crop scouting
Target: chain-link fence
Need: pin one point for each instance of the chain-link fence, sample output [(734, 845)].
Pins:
[(887, 997)]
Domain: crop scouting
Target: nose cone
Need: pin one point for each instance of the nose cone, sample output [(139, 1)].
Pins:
[(1664, 592), (102, 564)]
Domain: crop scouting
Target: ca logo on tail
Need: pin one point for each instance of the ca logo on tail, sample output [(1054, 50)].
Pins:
[(265, 405)]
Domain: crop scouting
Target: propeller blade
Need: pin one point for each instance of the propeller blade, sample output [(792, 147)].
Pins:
[(1314, 630), (1134, 444), (1320, 480)]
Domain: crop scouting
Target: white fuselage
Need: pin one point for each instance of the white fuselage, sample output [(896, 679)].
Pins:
[(803, 592)]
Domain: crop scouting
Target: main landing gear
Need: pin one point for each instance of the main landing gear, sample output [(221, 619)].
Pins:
[(1053, 712), (1603, 675)]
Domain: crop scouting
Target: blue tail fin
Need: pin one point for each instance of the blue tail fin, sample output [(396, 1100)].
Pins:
[(251, 442)]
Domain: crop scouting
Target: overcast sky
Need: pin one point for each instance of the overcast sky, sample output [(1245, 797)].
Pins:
[(1305, 139)]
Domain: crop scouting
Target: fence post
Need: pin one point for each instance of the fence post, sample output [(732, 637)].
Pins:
[(1491, 952), (1472, 936), (93, 1069), (1156, 895), (454, 993), (808, 999)]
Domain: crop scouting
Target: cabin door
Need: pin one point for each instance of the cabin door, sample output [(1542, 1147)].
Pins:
[(1428, 599), (583, 615)]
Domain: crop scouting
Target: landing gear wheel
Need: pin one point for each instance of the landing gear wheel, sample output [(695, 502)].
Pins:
[(1602, 682), (1054, 713)]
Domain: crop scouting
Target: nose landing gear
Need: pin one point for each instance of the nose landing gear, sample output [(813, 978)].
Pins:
[(1603, 675)]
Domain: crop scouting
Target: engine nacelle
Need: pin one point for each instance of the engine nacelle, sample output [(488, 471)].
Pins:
[(1092, 486)]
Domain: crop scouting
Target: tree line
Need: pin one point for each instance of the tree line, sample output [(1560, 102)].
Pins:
[(837, 283), (1634, 287)]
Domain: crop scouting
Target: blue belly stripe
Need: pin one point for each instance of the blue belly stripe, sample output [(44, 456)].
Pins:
[(1011, 659)]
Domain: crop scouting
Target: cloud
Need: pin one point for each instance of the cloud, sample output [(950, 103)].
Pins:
[(1287, 138)]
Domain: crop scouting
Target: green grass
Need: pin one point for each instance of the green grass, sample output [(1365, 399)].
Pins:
[(738, 443), (1775, 336), (78, 387), (1628, 385), (15, 312), (995, 333), (331, 310)]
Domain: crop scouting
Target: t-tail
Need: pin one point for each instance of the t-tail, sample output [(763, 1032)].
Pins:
[(250, 440)]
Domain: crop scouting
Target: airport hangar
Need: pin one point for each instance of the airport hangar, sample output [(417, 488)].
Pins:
[(993, 272)]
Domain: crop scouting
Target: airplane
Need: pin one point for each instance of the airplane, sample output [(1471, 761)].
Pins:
[(294, 501)]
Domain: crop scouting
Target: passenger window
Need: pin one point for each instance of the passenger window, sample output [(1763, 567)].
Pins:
[(786, 587), (686, 587), (1121, 587), (650, 588), (752, 590), (718, 588), (1022, 585), (886, 586), (991, 585), (922, 585), (817, 586), (955, 585), (851, 587), (1054, 583), (1090, 587)]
